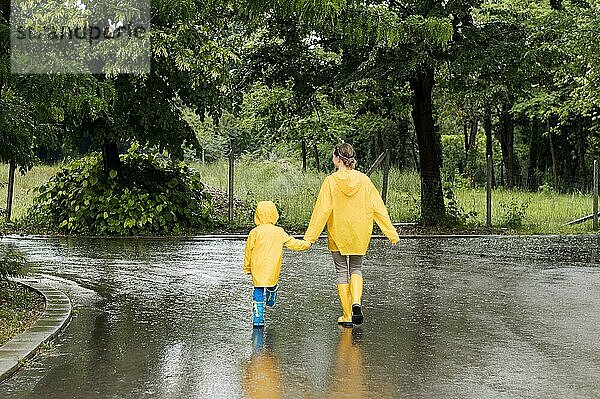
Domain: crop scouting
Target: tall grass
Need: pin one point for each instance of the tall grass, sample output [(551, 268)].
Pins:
[(294, 192), (546, 212), (24, 185)]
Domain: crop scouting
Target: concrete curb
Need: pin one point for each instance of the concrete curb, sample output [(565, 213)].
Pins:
[(55, 318)]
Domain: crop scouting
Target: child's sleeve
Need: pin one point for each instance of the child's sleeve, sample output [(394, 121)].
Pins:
[(248, 253), (295, 244)]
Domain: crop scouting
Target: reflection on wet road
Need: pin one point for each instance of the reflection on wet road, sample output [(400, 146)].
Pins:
[(445, 318)]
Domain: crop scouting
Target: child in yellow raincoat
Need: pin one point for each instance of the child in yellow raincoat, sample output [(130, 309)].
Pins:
[(348, 203), (263, 256)]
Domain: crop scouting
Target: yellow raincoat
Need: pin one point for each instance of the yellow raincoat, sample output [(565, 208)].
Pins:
[(348, 202), (264, 248)]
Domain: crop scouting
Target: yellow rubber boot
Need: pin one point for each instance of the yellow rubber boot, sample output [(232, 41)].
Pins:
[(356, 290), (345, 320)]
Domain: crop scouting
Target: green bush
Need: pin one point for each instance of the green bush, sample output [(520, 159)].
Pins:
[(152, 196), (11, 263), (456, 216), (513, 213)]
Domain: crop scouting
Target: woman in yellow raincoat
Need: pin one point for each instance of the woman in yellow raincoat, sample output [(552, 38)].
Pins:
[(348, 203), (263, 256)]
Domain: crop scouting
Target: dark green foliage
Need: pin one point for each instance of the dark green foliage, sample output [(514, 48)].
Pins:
[(11, 263), (153, 196)]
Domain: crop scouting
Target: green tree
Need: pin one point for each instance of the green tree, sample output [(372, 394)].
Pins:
[(413, 38), (409, 41), (32, 108), (283, 54), (489, 68), (190, 61)]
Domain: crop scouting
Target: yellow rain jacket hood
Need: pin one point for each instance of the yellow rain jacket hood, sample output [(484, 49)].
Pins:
[(264, 248), (348, 203)]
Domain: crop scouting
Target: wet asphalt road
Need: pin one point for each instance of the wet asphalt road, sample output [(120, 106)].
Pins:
[(500, 317)]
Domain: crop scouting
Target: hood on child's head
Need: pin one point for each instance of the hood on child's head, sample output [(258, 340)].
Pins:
[(266, 213)]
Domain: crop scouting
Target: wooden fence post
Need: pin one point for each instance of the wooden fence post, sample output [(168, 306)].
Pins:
[(595, 194), (488, 208), (230, 187)]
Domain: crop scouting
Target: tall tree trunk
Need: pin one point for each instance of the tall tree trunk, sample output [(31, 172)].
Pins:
[(316, 154), (11, 189), (554, 164), (473, 127), (380, 144), (506, 136), (463, 164), (432, 198), (413, 151), (473, 134), (487, 127), (303, 155), (110, 157), (581, 149), (373, 148), (532, 162)]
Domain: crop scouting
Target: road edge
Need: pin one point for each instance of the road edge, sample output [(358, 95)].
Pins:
[(57, 315)]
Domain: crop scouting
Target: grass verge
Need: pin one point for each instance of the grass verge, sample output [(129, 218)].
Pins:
[(20, 307)]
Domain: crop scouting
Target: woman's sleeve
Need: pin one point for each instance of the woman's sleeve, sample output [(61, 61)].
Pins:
[(381, 216), (320, 213), (248, 253)]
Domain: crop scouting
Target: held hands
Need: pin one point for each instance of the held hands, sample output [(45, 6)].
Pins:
[(297, 244), (305, 245)]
